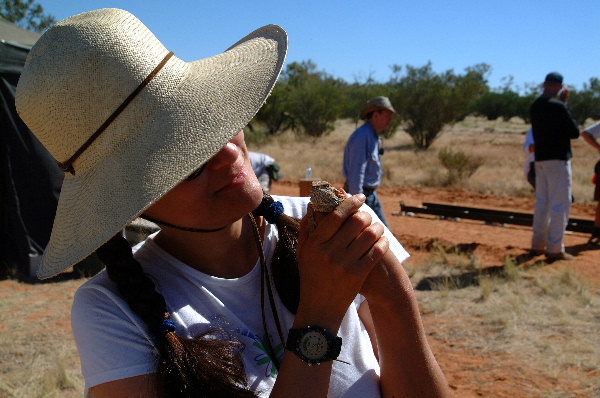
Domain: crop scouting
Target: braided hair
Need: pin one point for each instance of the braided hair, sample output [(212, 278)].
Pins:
[(203, 366), (285, 263), (210, 364)]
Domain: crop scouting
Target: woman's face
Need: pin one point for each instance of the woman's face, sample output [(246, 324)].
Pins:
[(225, 190)]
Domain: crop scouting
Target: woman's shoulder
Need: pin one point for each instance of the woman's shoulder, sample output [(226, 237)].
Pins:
[(100, 286), (100, 281), (97, 294)]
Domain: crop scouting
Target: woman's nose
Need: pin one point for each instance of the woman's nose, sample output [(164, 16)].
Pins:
[(225, 157)]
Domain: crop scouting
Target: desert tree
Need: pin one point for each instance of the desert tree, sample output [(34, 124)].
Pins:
[(357, 95), (468, 87), (427, 101), (585, 103), (26, 14), (492, 105), (273, 114), (506, 105), (314, 99)]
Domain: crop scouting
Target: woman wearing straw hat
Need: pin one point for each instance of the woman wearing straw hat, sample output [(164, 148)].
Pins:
[(206, 306)]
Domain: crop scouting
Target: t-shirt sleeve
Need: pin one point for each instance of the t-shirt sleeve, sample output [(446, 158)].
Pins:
[(112, 341)]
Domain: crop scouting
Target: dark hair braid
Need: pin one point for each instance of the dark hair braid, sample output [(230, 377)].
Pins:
[(209, 365), (285, 263)]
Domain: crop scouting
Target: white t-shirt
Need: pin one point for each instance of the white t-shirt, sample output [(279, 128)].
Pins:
[(529, 156), (114, 343), (594, 130)]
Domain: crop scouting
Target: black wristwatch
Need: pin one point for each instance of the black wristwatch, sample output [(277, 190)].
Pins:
[(314, 344)]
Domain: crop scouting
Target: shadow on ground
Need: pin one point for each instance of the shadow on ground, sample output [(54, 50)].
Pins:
[(471, 278)]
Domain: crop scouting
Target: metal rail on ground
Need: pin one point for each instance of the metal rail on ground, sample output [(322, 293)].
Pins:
[(488, 215)]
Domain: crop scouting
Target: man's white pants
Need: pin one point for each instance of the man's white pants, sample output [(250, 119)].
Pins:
[(552, 206)]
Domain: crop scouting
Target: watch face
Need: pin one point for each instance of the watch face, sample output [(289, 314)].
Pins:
[(313, 345)]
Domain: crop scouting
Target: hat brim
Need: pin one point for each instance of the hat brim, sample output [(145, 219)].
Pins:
[(214, 100), (370, 109)]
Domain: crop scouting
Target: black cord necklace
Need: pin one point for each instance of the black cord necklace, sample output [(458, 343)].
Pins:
[(187, 229), (265, 278)]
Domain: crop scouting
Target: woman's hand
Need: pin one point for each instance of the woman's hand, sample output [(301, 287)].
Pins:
[(334, 261)]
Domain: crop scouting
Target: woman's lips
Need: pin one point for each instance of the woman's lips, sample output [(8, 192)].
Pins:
[(238, 180)]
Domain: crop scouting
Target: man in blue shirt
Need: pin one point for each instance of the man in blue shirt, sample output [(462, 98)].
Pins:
[(363, 167)]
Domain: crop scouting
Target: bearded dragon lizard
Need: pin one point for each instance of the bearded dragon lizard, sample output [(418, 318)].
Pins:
[(324, 198)]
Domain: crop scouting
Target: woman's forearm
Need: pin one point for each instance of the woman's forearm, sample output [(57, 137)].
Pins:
[(408, 366)]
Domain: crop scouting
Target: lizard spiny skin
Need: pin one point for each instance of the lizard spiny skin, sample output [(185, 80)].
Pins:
[(324, 198)]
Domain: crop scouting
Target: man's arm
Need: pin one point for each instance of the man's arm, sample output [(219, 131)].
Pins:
[(569, 124), (356, 163), (528, 146), (589, 138)]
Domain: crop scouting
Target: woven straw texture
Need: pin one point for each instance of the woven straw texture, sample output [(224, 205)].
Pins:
[(83, 68)]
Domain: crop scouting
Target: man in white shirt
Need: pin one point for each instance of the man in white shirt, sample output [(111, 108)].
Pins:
[(529, 150), (591, 135), (266, 169)]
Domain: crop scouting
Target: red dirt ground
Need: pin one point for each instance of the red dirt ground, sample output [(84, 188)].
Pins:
[(499, 377), (494, 242)]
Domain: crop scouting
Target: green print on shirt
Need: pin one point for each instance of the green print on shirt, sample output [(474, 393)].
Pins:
[(265, 358)]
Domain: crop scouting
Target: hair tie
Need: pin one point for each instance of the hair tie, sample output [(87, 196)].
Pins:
[(273, 211), (269, 209), (166, 326)]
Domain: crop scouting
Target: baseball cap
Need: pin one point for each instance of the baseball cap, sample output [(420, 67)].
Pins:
[(554, 77)]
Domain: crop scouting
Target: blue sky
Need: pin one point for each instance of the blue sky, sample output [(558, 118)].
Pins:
[(355, 39)]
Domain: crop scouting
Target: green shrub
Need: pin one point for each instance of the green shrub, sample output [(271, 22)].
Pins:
[(427, 101), (460, 165)]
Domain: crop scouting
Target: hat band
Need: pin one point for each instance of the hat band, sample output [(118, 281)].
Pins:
[(68, 165)]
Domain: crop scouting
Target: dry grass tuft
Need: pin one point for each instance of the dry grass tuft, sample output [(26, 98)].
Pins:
[(548, 320), (38, 356)]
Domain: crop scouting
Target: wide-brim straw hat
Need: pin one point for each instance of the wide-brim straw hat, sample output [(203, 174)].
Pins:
[(377, 103), (84, 68)]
